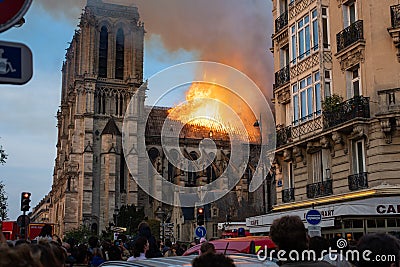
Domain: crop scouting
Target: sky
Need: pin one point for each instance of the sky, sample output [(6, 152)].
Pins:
[(233, 32)]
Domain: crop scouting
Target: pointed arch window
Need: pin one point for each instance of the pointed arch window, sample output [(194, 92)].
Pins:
[(119, 56), (103, 49)]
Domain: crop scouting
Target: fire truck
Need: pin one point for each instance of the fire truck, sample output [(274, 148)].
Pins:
[(12, 231), (233, 229)]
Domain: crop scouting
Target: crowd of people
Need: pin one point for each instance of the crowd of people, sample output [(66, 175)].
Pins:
[(294, 245), (288, 233)]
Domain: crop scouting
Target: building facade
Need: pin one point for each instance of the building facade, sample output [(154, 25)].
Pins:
[(336, 85), (102, 74), (103, 70)]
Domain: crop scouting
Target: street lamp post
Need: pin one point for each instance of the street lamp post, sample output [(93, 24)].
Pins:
[(160, 215), (258, 124)]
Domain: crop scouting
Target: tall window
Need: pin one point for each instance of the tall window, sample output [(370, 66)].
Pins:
[(294, 44), (304, 36), (306, 98), (349, 13), (290, 175), (353, 78), (284, 57), (103, 49), (325, 28), (122, 175), (314, 17), (119, 55), (358, 156), (317, 168), (328, 83)]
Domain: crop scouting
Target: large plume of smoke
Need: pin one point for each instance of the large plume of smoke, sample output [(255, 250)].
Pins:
[(233, 32)]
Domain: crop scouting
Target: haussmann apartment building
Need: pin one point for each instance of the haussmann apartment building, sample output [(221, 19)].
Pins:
[(337, 101)]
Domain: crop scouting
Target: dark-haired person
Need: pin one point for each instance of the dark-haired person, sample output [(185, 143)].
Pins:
[(139, 249), (212, 260), (290, 236), (144, 231), (380, 246), (46, 233), (207, 247)]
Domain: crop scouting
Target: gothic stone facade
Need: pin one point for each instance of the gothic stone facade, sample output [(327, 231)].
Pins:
[(102, 72)]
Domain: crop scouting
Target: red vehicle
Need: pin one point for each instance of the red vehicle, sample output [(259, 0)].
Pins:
[(35, 228), (247, 245), (10, 230), (13, 232), (234, 233)]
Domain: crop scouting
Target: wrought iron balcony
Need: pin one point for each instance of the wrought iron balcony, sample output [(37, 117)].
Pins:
[(282, 77), (395, 15), (358, 181), (283, 135), (307, 125), (350, 35), (281, 22), (319, 189), (287, 195), (357, 107)]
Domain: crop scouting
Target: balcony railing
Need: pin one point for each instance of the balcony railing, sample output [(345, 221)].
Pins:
[(288, 195), (358, 181), (283, 135), (281, 22), (350, 35), (282, 77), (319, 189), (357, 107), (395, 15), (307, 125)]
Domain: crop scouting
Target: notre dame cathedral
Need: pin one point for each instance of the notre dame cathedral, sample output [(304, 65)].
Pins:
[(102, 72)]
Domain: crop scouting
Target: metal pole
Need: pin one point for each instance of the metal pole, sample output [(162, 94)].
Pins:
[(23, 230), (263, 166)]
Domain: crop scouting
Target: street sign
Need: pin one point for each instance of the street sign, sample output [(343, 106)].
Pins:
[(313, 217), (15, 63), (200, 231), (20, 220), (11, 12), (314, 230)]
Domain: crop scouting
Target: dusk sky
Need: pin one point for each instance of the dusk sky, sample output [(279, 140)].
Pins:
[(233, 32)]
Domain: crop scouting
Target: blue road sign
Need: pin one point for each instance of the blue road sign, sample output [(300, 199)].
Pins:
[(200, 231), (313, 217), (15, 63)]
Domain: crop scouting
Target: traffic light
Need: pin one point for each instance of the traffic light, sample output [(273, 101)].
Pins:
[(25, 199), (200, 216)]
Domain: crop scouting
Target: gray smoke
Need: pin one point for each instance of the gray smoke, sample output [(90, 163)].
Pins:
[(233, 32)]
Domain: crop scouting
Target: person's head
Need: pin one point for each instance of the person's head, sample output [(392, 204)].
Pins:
[(380, 245), (141, 246), (318, 244), (18, 257), (212, 260), (144, 229), (47, 230), (207, 247), (93, 242), (289, 233), (168, 243)]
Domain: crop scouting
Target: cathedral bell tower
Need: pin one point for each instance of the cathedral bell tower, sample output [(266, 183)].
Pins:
[(102, 71)]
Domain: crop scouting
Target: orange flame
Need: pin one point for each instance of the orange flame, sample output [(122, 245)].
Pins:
[(214, 107)]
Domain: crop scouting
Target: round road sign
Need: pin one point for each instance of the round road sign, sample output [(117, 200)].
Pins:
[(313, 217), (12, 11)]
